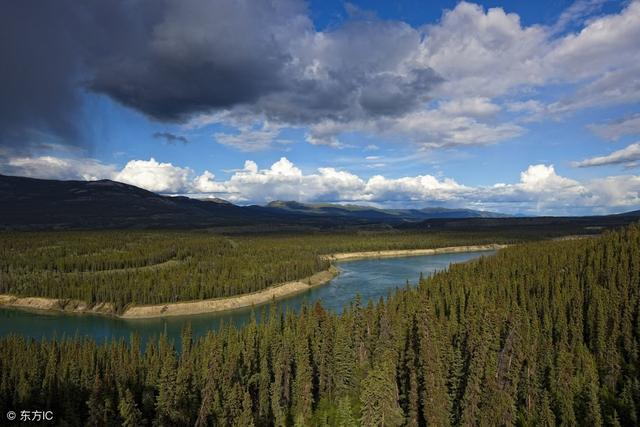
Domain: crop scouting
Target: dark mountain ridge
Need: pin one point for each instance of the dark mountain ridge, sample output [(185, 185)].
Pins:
[(40, 203), (373, 213)]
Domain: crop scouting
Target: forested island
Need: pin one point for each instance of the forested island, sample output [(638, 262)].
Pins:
[(543, 333)]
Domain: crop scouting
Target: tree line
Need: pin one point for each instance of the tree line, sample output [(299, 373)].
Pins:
[(541, 334)]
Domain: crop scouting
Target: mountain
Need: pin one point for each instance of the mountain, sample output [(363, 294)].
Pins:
[(630, 213), (216, 200), (371, 213), (39, 203), (461, 213), (30, 203)]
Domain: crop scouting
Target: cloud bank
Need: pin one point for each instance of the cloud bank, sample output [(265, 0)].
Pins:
[(539, 190)]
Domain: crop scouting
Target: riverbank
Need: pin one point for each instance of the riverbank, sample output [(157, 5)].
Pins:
[(54, 304), (351, 256), (231, 303), (184, 308), (264, 296)]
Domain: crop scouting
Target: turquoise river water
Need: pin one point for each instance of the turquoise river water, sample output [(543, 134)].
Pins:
[(370, 278)]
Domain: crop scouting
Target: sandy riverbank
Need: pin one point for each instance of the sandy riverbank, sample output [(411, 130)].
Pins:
[(230, 303), (54, 304), (349, 256), (174, 309)]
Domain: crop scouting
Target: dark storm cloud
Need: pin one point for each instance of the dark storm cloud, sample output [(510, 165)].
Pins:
[(388, 95), (172, 59), (202, 55), (47, 49), (38, 72), (171, 138)]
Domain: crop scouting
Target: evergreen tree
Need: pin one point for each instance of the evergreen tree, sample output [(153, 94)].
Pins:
[(379, 398), (344, 415), (129, 412)]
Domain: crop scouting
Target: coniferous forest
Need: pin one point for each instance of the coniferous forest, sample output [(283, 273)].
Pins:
[(152, 267), (541, 334)]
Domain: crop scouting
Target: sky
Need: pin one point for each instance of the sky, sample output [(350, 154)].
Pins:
[(519, 107)]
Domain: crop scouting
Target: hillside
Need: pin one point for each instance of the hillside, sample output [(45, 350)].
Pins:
[(40, 204)]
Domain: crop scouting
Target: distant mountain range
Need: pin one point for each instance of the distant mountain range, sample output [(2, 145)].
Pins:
[(29, 203), (376, 214)]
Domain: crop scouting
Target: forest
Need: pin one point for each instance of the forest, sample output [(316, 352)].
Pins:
[(541, 334), (153, 267)]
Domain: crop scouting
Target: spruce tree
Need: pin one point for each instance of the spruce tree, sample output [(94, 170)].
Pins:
[(379, 397), (129, 413)]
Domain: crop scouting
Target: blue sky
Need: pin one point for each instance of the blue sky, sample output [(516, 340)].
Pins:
[(520, 107)]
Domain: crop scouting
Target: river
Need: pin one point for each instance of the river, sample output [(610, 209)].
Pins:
[(370, 278)]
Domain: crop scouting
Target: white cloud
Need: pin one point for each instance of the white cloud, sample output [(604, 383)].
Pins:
[(482, 53), (629, 154), (541, 178), (283, 180), (488, 54), (50, 167), (540, 189), (421, 188), (474, 107), (621, 192), (605, 44), (155, 176), (206, 183), (435, 128)]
